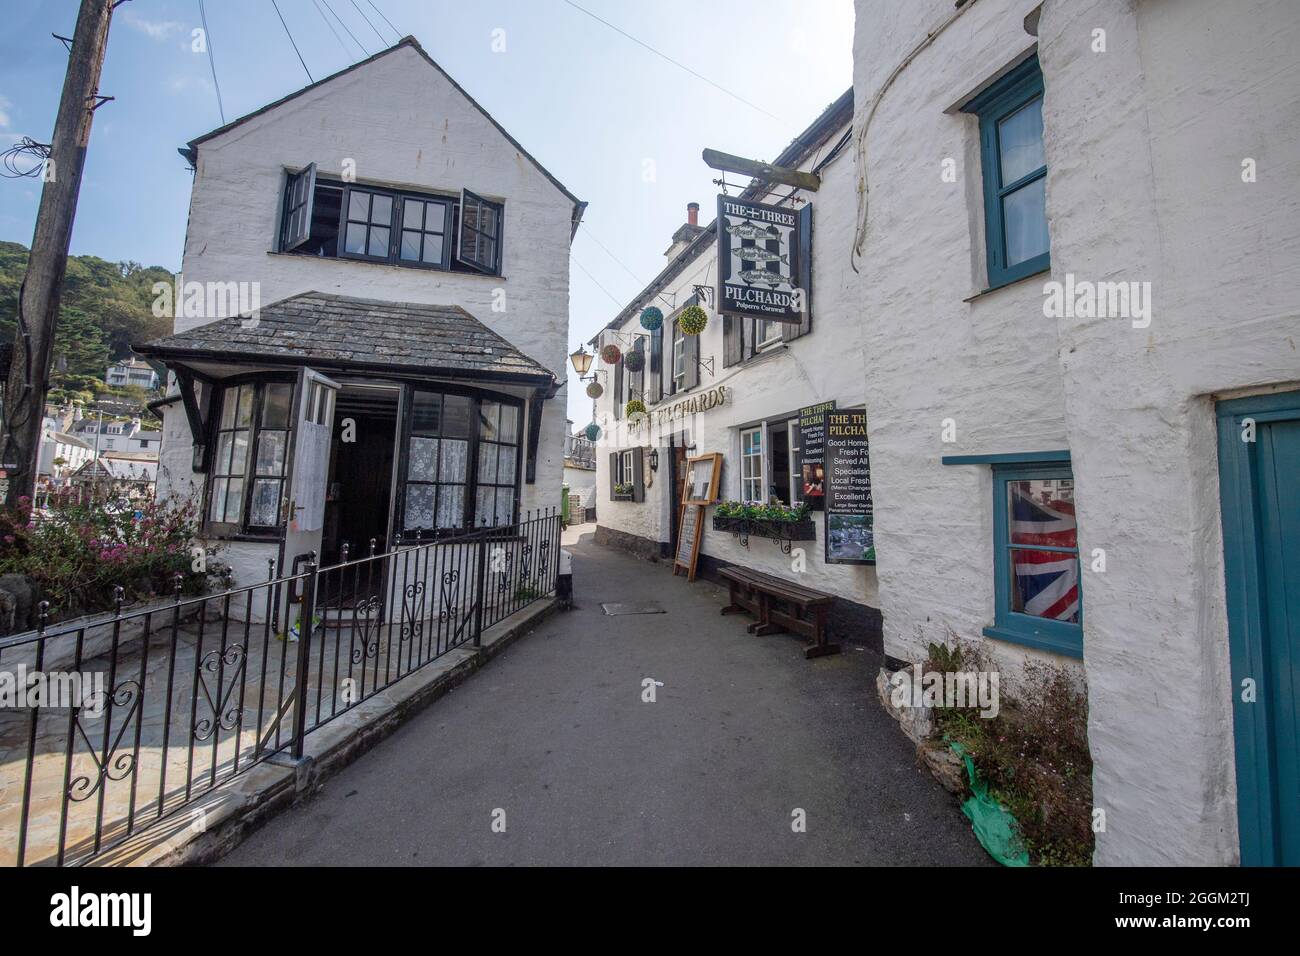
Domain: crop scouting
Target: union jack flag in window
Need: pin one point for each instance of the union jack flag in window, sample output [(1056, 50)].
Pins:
[(1044, 576)]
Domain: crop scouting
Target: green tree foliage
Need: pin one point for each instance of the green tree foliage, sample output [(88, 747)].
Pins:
[(105, 307)]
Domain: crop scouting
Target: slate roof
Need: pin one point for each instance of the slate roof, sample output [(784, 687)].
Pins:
[(337, 331)]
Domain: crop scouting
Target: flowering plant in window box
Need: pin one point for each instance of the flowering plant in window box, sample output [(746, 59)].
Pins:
[(765, 520), (622, 490)]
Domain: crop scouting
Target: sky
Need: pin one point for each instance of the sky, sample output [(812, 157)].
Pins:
[(596, 108)]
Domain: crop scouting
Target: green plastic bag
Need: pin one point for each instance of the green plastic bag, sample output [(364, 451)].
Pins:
[(994, 825)]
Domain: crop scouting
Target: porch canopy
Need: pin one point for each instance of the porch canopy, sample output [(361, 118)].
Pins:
[(345, 335)]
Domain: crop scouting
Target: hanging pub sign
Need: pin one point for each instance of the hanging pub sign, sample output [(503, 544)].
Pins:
[(764, 260), (850, 531), (812, 452)]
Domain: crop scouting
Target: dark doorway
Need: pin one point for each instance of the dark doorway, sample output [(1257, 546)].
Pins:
[(677, 477), (361, 473)]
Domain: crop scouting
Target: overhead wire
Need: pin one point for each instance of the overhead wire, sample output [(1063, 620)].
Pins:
[(292, 42), (212, 62)]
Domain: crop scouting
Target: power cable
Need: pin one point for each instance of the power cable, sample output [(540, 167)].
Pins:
[(346, 52), (676, 63), (385, 19), (345, 27), (382, 41), (291, 41), (212, 62), (611, 295)]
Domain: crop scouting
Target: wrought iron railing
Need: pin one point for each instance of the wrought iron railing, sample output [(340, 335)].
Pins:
[(142, 711)]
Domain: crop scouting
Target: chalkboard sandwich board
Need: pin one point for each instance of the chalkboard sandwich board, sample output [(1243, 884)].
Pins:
[(688, 540)]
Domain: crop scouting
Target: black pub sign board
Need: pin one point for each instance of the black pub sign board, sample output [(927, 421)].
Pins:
[(764, 260), (812, 453), (850, 521)]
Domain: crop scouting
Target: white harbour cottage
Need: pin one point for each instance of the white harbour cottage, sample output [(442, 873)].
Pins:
[(404, 374)]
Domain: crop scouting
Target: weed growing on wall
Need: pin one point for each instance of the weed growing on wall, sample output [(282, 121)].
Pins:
[(1034, 754)]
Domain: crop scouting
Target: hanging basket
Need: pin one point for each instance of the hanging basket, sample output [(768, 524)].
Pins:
[(634, 407), (692, 320), (651, 318), (634, 361), (593, 431), (595, 390), (610, 354)]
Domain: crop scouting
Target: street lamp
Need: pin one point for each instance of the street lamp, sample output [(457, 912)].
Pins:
[(581, 360)]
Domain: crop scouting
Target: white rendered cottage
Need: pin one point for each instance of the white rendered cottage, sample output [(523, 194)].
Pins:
[(403, 374)]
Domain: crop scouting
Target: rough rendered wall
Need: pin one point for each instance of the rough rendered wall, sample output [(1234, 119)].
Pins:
[(1145, 144), (1185, 92), (404, 125), (821, 366), (931, 351)]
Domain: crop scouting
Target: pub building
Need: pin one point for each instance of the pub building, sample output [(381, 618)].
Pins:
[(765, 395)]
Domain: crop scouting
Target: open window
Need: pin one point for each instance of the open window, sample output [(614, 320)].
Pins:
[(299, 193), (479, 241)]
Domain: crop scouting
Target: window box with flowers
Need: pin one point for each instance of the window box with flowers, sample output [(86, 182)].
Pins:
[(777, 522)]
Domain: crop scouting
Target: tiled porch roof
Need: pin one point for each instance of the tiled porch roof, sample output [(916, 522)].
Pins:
[(336, 331)]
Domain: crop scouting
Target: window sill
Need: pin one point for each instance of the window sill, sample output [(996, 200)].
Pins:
[(467, 273), (1046, 270), (1038, 641)]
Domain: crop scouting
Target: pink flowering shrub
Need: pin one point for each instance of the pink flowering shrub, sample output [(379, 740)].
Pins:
[(79, 554)]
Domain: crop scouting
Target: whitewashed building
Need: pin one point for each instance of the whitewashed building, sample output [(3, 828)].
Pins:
[(391, 262), (131, 371), (736, 389), (1079, 245)]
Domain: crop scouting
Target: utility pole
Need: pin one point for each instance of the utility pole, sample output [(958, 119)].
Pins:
[(38, 298)]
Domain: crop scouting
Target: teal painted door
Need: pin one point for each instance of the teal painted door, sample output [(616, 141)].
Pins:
[(1260, 486)]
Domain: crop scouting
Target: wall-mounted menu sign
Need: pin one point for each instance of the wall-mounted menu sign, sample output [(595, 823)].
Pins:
[(764, 259), (850, 534), (812, 452)]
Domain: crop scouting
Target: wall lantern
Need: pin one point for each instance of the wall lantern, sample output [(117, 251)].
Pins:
[(654, 459), (581, 360)]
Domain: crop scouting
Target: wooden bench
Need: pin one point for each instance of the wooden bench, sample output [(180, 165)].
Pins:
[(780, 605)]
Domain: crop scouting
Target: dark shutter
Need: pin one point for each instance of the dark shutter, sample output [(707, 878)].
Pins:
[(636, 380), (478, 241), (613, 473), (790, 330), (299, 192), (618, 390), (669, 377), (750, 345), (733, 340), (638, 474), (692, 359), (657, 364)]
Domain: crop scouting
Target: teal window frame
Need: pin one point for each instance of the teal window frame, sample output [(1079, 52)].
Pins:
[(1058, 637), (1012, 92)]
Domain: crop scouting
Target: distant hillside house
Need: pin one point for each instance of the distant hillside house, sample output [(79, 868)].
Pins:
[(131, 372), (403, 375), (119, 436)]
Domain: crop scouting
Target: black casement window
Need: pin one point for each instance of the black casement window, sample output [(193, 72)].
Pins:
[(498, 464), (368, 225), (298, 194), (250, 453), (425, 225), (461, 463), (480, 233), (331, 219)]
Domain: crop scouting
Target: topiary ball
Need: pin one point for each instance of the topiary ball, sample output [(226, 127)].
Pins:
[(692, 320), (651, 318), (593, 431), (635, 407), (610, 354), (594, 390), (634, 361)]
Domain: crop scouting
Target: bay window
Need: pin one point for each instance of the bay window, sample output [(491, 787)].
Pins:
[(461, 463), (247, 472)]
